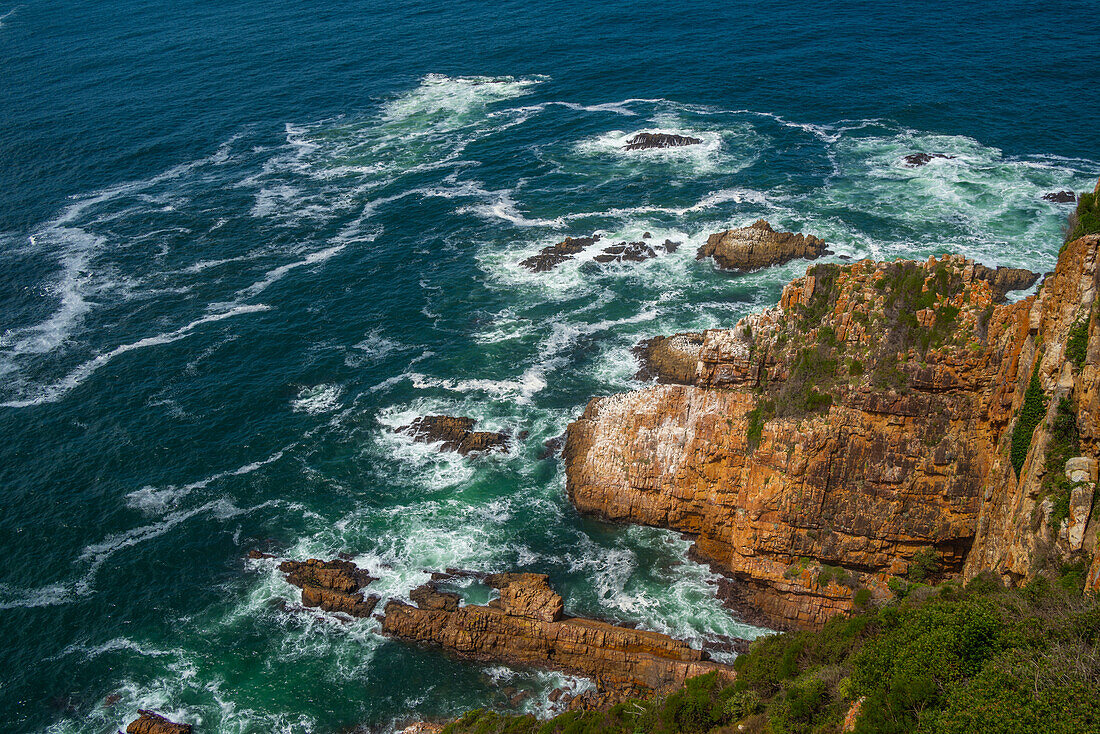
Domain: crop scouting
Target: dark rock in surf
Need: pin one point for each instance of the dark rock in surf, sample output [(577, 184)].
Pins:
[(151, 723), (919, 159), (1061, 197), (634, 252), (456, 433), (331, 585), (645, 141), (551, 447), (550, 257)]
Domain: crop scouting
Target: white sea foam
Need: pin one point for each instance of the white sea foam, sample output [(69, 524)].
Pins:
[(55, 391), (317, 399)]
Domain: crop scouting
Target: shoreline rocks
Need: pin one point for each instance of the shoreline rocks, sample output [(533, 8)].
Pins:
[(334, 586), (527, 625), (456, 433), (550, 257), (646, 141), (1060, 197), (759, 246), (153, 723), (669, 359)]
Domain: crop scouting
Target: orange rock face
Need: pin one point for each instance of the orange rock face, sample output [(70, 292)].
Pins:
[(526, 626), (331, 585), (820, 446)]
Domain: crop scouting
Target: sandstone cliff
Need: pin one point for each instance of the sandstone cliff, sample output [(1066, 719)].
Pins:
[(861, 433), (526, 625)]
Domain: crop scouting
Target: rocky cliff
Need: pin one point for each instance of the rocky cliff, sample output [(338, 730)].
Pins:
[(860, 435)]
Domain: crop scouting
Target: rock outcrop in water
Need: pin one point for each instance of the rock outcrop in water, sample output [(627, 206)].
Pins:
[(759, 246), (550, 257), (1060, 197), (634, 251), (455, 433), (862, 430), (151, 723), (645, 141), (526, 625), (335, 586), (919, 159)]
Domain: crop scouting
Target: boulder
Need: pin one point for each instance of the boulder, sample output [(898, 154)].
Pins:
[(456, 433), (331, 585), (1004, 279), (151, 723), (527, 595), (759, 246), (550, 257), (1081, 469), (644, 141), (1060, 197)]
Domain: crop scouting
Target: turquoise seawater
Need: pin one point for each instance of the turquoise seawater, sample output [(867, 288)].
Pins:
[(240, 243)]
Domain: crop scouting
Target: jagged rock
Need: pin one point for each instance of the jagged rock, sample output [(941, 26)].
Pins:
[(643, 141), (1004, 279), (429, 597), (1081, 469), (669, 359), (456, 433), (527, 627), (331, 585), (552, 256), (151, 723), (256, 555), (898, 453), (919, 159), (626, 252), (759, 246), (551, 447), (1061, 197), (422, 727)]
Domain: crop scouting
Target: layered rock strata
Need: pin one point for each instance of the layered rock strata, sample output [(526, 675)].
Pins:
[(334, 586), (526, 625), (759, 246), (644, 141), (151, 723), (859, 430), (455, 433)]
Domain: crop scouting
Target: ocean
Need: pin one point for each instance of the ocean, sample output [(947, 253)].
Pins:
[(242, 242)]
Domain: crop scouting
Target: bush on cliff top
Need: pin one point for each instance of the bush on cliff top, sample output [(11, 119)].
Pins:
[(1085, 219), (959, 659)]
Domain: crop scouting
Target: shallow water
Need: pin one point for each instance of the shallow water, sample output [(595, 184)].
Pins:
[(241, 245)]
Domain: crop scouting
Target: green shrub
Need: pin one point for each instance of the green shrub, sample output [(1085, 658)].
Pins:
[(1078, 342), (861, 598), (757, 417), (1085, 219), (855, 367), (925, 563), (1032, 411)]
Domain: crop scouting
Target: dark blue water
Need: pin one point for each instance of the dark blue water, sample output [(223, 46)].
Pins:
[(241, 242)]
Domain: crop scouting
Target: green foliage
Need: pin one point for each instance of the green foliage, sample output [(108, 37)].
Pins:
[(925, 564), (1086, 218), (855, 367), (1078, 342), (756, 418), (861, 598), (1032, 411)]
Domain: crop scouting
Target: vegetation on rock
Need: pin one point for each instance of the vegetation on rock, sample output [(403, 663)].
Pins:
[(1086, 218), (1032, 411), (947, 659)]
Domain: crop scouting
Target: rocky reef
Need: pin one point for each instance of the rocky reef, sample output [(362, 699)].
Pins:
[(759, 246), (550, 257), (860, 435), (151, 723), (455, 433), (334, 586), (644, 141), (526, 625), (914, 160)]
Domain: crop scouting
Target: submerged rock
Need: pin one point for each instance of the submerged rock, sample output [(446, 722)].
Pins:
[(919, 159), (151, 723), (527, 626), (552, 256), (634, 251), (759, 246), (643, 141), (456, 433), (1060, 197), (331, 585)]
